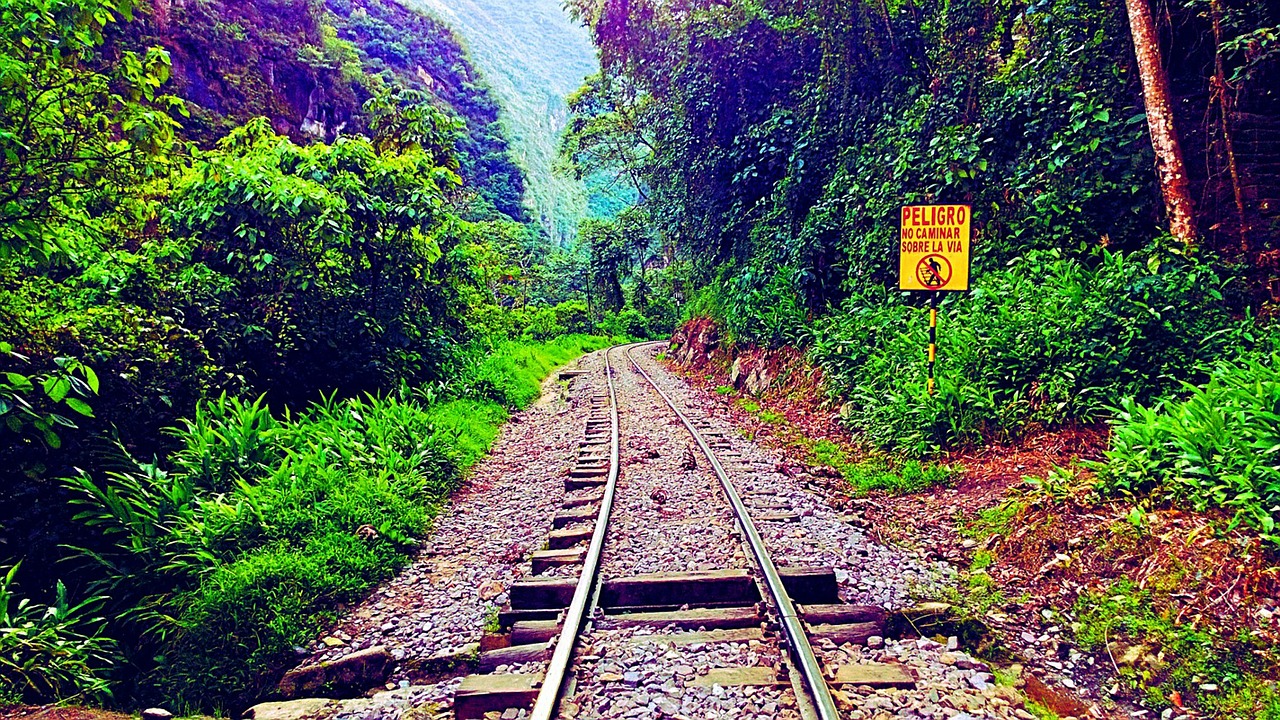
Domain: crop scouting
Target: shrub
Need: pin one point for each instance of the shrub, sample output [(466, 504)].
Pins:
[(628, 323), (1217, 446), (264, 524), (51, 651), (1046, 340), (573, 317)]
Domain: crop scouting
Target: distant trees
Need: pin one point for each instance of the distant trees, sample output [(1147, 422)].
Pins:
[(609, 132)]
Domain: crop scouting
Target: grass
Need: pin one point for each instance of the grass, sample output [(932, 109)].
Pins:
[(895, 476), (996, 520), (976, 595), (1156, 655), (1041, 712), (262, 527), (772, 417), (513, 372)]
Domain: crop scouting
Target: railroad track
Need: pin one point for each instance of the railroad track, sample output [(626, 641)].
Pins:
[(739, 636)]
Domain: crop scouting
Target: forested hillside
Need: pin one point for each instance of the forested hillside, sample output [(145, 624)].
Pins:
[(535, 56), (311, 67)]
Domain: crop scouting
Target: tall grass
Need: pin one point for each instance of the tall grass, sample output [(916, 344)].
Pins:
[(244, 543), (512, 373), (51, 650)]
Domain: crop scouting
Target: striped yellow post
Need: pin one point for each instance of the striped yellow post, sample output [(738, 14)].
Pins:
[(933, 339)]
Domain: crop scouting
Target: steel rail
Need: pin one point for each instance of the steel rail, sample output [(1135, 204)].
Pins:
[(801, 650), (585, 592)]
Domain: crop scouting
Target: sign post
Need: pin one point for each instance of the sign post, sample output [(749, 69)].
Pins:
[(933, 256)]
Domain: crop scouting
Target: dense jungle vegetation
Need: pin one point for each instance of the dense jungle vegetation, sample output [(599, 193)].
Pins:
[(772, 144), (275, 271), (270, 286)]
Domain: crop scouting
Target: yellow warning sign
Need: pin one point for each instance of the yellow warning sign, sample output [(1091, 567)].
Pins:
[(934, 247)]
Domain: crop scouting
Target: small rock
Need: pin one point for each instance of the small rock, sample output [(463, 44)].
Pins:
[(156, 714), (1205, 687), (293, 710), (875, 641), (490, 590)]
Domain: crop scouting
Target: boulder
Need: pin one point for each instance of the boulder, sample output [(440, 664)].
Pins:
[(345, 677), (758, 381)]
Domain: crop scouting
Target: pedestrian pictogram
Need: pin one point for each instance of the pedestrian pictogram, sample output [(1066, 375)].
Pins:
[(934, 271), (933, 248)]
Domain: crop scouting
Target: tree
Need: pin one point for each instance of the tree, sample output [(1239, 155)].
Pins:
[(608, 261), (1164, 135), (607, 132), (68, 130), (334, 257)]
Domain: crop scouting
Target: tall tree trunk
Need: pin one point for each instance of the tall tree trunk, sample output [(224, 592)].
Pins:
[(1221, 89), (1164, 136)]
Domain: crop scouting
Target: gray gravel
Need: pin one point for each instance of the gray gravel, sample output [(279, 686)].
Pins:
[(668, 517), (868, 573), (634, 674)]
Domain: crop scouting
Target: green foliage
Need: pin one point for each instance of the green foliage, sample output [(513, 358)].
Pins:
[(1040, 712), (512, 373), (900, 478), (1216, 446), (1045, 340), (992, 521), (880, 472), (1174, 655), (328, 247), (51, 651), (347, 286), (73, 136), (65, 388), (260, 526)]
